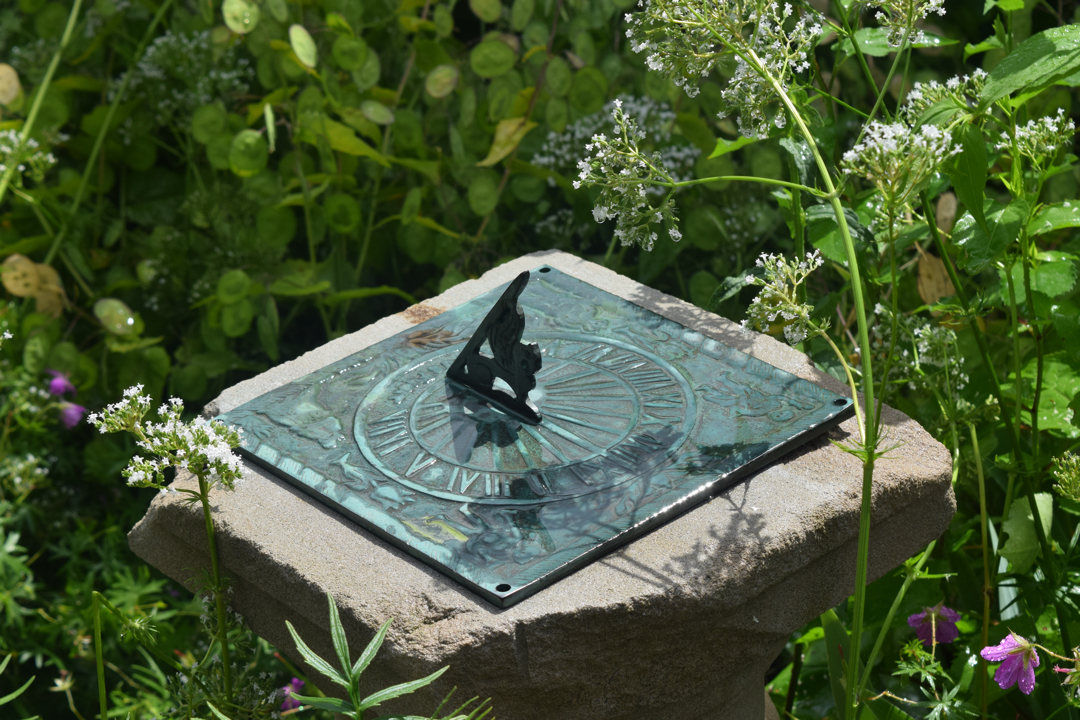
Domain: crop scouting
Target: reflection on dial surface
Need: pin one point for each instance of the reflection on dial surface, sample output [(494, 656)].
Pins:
[(610, 413)]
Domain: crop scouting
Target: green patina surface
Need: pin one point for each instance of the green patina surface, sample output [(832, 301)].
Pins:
[(642, 419)]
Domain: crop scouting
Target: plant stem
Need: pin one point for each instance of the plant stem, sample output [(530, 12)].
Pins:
[(988, 589), (217, 589), (886, 627), (39, 97), (102, 698), (100, 140)]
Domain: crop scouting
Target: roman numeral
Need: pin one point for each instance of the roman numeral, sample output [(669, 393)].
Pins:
[(421, 461)]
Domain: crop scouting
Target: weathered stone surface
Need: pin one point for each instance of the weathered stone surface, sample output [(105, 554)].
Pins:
[(681, 623)]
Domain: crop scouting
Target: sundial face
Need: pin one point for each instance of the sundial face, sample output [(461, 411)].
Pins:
[(641, 419)]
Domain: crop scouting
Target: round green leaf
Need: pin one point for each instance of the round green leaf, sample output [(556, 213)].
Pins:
[(241, 16), (367, 76), (276, 226), (208, 122), (64, 357), (588, 91), (266, 72), (558, 77), (484, 192), (527, 188), (487, 10), (233, 287), (188, 382), (248, 154), (217, 151), (444, 21), (115, 316), (703, 228), (50, 22), (556, 114), (520, 14), (492, 58), (303, 45), (376, 112), (342, 213), (585, 48), (278, 9), (411, 207), (141, 154), (236, 319), (536, 34), (441, 81), (350, 53)]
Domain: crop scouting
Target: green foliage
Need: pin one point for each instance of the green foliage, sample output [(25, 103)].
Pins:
[(239, 182)]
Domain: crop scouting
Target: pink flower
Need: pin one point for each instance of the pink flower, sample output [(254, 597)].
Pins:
[(938, 622), (294, 686), (59, 385), (71, 414), (1018, 660)]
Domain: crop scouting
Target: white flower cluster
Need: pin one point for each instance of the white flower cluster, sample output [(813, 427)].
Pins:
[(24, 157), (778, 300), (20, 474), (624, 172), (178, 74), (1039, 140), (898, 160), (560, 151), (921, 346), (899, 16), (685, 39), (203, 447), (964, 90)]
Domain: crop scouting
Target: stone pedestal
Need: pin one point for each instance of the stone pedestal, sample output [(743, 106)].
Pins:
[(681, 623)]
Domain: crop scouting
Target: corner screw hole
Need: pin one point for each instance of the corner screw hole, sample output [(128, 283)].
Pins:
[(545, 269), (503, 587), (839, 401)]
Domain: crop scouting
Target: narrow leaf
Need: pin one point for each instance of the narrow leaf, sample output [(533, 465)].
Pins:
[(337, 633), (11, 696), (369, 652), (324, 703), (968, 173), (508, 134), (271, 128), (398, 690), (723, 147), (314, 660), (218, 713), (361, 293)]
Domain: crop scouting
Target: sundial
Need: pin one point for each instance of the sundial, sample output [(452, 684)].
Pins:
[(511, 440)]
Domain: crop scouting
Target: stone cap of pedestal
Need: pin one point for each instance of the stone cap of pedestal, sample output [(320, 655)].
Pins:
[(683, 619)]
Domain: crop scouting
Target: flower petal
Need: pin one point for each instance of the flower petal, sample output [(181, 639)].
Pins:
[(997, 653), (1009, 671)]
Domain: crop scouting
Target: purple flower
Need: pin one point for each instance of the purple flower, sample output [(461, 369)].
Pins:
[(1018, 660), (59, 384), (71, 414), (294, 686), (935, 623)]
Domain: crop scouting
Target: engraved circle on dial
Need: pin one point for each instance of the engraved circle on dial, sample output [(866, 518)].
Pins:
[(611, 411)]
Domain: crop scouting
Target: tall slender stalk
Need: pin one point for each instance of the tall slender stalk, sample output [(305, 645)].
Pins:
[(988, 588), (100, 140), (218, 588), (39, 96)]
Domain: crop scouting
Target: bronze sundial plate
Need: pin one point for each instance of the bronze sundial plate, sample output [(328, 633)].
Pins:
[(642, 419)]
